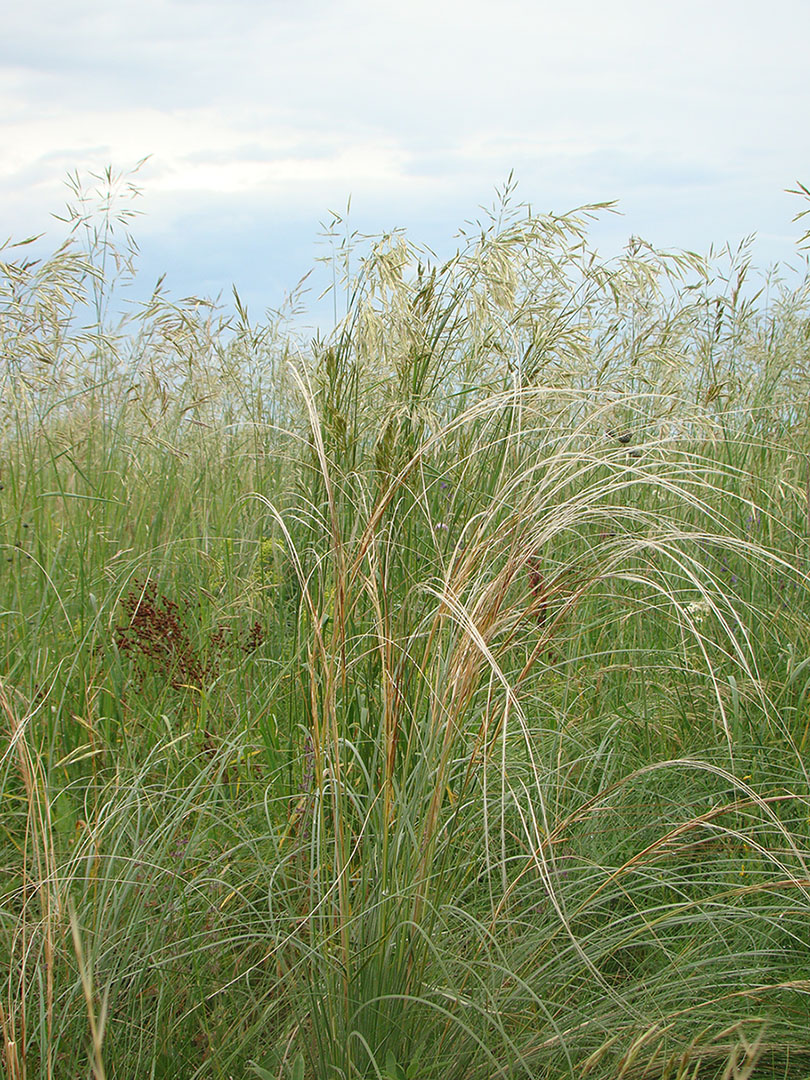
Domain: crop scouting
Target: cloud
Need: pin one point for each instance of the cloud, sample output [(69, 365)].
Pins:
[(259, 111)]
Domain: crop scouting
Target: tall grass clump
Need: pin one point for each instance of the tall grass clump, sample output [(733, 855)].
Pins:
[(428, 700)]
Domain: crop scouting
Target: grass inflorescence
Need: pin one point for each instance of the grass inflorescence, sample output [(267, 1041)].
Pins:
[(428, 701)]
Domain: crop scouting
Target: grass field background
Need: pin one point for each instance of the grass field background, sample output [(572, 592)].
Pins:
[(430, 699)]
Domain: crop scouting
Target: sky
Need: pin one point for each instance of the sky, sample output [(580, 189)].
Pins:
[(258, 118)]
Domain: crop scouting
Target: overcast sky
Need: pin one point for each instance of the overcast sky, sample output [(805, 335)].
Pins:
[(260, 116)]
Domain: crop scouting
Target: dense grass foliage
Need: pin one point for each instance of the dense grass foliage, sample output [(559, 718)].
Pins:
[(428, 701)]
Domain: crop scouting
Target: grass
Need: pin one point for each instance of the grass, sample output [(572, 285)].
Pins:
[(430, 700)]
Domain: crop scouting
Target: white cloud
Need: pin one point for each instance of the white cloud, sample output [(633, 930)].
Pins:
[(693, 114)]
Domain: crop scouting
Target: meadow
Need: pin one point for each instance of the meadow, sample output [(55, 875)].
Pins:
[(430, 699)]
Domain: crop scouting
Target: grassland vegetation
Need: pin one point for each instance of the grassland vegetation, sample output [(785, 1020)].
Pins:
[(429, 699)]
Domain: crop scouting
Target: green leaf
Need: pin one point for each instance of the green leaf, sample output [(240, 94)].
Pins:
[(263, 1074), (393, 1070), (298, 1068)]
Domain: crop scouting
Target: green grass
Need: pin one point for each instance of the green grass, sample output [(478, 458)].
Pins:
[(429, 701)]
